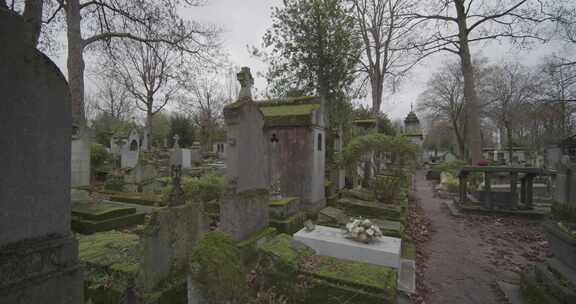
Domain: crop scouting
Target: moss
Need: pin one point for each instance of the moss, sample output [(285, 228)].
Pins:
[(113, 250), (138, 198), (356, 207), (100, 210), (283, 202), (217, 265), (289, 101), (564, 212), (290, 225), (360, 194), (408, 250), (262, 234), (280, 248), (355, 274), (251, 194), (84, 226)]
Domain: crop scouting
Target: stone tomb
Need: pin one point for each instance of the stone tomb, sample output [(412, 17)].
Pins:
[(331, 242), (38, 253), (244, 209)]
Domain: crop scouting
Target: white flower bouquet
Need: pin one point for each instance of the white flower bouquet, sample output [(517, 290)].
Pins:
[(362, 230)]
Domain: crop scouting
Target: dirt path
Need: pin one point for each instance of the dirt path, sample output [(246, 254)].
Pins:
[(465, 257)]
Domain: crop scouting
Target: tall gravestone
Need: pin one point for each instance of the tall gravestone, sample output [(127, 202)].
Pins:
[(244, 210), (38, 253)]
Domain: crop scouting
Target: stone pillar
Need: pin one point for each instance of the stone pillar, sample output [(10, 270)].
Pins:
[(244, 209), (488, 190), (38, 253), (513, 190)]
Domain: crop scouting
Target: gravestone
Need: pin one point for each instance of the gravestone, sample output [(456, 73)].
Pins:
[(38, 253), (244, 210), (80, 161), (141, 178)]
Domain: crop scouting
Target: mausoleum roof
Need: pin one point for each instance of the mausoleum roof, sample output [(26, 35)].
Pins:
[(411, 118), (293, 111)]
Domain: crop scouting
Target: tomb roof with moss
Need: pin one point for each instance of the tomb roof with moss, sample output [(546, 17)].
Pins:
[(290, 111)]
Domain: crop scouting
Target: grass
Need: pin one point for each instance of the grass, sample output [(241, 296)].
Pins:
[(114, 250)]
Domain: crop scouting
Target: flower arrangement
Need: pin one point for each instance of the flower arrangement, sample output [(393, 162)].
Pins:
[(362, 230)]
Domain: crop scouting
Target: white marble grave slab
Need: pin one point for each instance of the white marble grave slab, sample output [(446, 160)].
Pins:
[(331, 242)]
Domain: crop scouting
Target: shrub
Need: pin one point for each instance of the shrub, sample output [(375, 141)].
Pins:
[(216, 264), (388, 186), (452, 184), (563, 212), (205, 188), (452, 167), (100, 158)]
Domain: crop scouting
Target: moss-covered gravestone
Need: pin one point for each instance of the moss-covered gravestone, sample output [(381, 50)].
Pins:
[(38, 254), (244, 209)]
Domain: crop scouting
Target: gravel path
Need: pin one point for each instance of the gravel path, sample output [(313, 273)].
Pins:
[(465, 257)]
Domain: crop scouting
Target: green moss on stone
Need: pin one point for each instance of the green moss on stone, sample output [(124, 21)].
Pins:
[(265, 233), (113, 250), (290, 225), (100, 210), (289, 101), (283, 202), (408, 250), (355, 274), (280, 248)]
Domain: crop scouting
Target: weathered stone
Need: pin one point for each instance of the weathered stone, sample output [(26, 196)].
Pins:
[(80, 160), (38, 255), (167, 240), (244, 214), (331, 214)]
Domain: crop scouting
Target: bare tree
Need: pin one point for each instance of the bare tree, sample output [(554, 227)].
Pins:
[(148, 73), (113, 99), (387, 34), (204, 103), (443, 99), (458, 24), (510, 88), (99, 21)]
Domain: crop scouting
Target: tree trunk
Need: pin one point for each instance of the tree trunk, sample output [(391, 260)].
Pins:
[(75, 61), (472, 108), (149, 117), (510, 145), (33, 17)]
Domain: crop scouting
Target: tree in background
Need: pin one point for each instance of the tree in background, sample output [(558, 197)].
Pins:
[(161, 131), (183, 126), (313, 51), (443, 99), (440, 138), (92, 23), (457, 24), (387, 34), (509, 90), (204, 102)]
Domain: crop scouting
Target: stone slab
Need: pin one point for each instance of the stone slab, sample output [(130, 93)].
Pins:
[(330, 241), (512, 292), (331, 214), (407, 277)]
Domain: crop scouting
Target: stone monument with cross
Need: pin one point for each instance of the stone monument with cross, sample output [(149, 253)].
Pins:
[(244, 210)]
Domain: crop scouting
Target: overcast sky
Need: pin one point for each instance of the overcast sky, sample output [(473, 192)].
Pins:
[(245, 21)]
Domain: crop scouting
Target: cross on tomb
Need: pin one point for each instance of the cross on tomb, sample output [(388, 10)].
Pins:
[(176, 141), (246, 83)]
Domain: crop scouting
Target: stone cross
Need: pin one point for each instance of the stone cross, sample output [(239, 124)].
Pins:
[(246, 83), (176, 141)]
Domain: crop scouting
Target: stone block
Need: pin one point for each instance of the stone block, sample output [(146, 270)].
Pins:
[(562, 244), (244, 214), (80, 163), (333, 215), (332, 242), (284, 207)]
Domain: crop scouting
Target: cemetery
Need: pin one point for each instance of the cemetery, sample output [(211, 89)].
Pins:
[(349, 158)]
